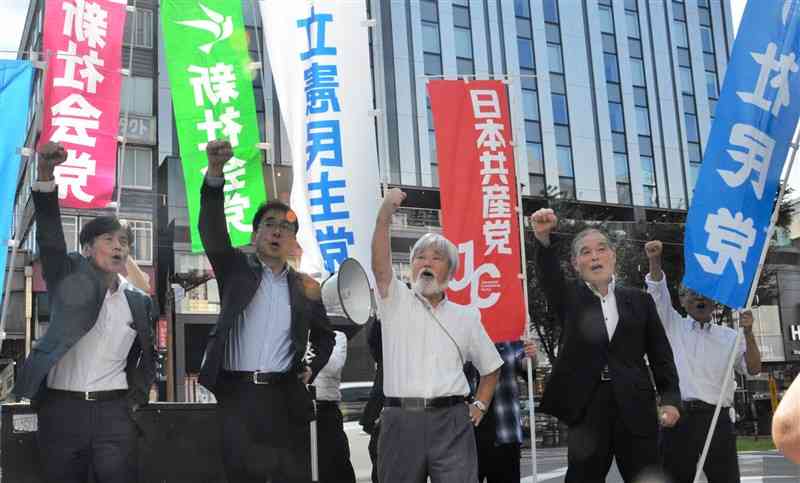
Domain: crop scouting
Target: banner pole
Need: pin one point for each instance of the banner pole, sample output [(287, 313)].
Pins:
[(124, 138), (732, 357), (523, 279)]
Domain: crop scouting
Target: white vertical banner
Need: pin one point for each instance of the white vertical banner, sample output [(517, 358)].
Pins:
[(319, 57)]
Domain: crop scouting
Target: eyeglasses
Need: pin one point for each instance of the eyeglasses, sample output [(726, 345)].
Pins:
[(283, 226)]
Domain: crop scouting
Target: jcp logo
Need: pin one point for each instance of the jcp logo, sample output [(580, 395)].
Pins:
[(472, 278)]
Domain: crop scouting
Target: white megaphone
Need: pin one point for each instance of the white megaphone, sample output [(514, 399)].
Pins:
[(347, 295)]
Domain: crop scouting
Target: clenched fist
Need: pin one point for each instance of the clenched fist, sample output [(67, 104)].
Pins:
[(653, 249), (50, 155), (543, 221), (393, 199), (218, 153)]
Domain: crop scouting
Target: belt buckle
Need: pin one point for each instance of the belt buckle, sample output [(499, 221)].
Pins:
[(414, 404), (87, 396), (605, 376), (257, 381)]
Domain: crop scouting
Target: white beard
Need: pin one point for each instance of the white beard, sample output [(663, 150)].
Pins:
[(428, 287)]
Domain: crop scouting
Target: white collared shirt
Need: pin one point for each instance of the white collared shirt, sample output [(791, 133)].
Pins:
[(330, 377), (701, 353), (419, 359), (609, 306), (97, 361)]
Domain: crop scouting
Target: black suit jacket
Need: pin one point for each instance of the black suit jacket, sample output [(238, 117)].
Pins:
[(238, 277), (585, 350), (77, 290)]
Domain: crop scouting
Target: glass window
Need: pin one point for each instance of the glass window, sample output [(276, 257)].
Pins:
[(564, 154), (613, 91), (562, 135), (702, 3), (532, 132), (686, 80), (554, 55), (528, 79), (552, 34), (137, 93), (606, 19), (557, 84), (681, 36), (142, 249), (524, 28), (550, 11), (621, 167), (433, 64), (678, 11), (430, 38), (635, 46), (612, 71), (712, 106), (463, 43), (461, 17), (618, 142), (522, 8), (705, 17), (632, 19), (465, 66), (537, 185), (683, 58), (650, 196), (70, 226), (624, 193), (428, 10), (631, 5), (640, 96), (688, 104), (525, 49), (709, 62), (616, 116), (645, 146), (637, 72), (567, 186), (560, 115), (535, 157), (694, 152), (530, 104), (692, 135), (143, 35), (648, 170), (609, 44), (137, 171), (694, 172), (643, 120), (708, 41)]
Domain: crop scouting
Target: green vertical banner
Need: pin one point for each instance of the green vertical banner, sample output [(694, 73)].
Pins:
[(212, 94)]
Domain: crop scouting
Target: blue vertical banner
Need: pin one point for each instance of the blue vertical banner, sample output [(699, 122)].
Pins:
[(15, 95), (736, 190)]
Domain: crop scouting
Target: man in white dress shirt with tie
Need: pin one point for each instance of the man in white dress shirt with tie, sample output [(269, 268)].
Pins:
[(426, 425), (701, 350)]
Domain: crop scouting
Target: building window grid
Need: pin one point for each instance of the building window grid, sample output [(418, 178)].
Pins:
[(615, 108), (462, 18), (709, 55), (566, 168), (689, 103), (646, 161), (533, 133), (432, 55), (143, 36)]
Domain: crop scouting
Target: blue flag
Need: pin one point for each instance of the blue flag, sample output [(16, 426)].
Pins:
[(736, 190), (15, 95)]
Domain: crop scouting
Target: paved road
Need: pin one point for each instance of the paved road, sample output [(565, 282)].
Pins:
[(756, 466)]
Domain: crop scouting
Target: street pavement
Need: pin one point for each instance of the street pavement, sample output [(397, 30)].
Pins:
[(755, 466)]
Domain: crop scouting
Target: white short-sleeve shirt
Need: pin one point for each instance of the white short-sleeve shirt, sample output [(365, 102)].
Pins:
[(419, 358)]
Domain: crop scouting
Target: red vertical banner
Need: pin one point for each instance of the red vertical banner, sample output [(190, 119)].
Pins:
[(83, 42), (478, 190)]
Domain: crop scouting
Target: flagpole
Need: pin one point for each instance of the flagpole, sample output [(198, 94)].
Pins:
[(523, 280), (732, 356)]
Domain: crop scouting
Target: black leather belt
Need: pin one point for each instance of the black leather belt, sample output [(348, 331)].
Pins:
[(259, 377), (421, 404), (90, 395), (697, 406), (327, 404), (605, 375)]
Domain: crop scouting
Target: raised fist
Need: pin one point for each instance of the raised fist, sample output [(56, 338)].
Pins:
[(394, 198), (50, 155), (653, 249), (218, 153), (543, 221)]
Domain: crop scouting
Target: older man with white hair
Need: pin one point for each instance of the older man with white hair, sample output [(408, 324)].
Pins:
[(426, 425)]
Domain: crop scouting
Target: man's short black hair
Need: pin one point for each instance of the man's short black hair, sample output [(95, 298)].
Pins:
[(274, 205), (100, 226)]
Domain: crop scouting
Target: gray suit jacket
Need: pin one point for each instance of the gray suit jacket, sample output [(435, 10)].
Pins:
[(77, 290)]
